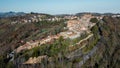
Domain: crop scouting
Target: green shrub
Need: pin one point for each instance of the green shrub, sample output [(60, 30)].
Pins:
[(10, 65), (94, 20)]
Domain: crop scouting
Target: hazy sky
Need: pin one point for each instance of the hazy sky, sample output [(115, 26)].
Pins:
[(60, 6)]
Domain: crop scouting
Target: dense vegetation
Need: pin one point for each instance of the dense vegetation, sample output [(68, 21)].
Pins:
[(108, 53), (94, 20)]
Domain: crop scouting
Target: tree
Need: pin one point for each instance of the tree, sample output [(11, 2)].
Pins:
[(94, 20)]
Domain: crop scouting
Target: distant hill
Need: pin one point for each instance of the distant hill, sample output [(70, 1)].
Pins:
[(96, 14), (10, 14)]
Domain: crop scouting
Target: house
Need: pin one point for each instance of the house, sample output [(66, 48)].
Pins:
[(72, 24), (34, 60)]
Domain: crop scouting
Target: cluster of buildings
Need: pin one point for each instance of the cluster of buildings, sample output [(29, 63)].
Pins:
[(31, 44), (116, 15), (31, 18), (75, 29), (71, 17)]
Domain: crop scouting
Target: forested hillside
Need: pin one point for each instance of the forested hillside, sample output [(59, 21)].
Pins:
[(108, 52)]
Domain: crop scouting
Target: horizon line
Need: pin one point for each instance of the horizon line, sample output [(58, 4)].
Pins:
[(60, 13)]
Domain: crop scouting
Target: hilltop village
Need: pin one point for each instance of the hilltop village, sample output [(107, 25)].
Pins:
[(76, 27)]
